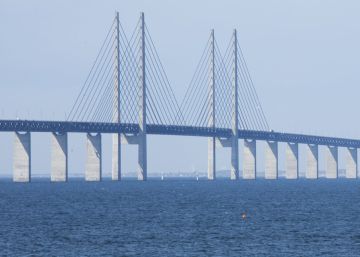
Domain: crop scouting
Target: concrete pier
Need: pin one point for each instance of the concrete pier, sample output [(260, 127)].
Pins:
[(271, 160), (312, 167), (22, 157), (351, 163), (234, 170), (141, 141), (249, 159), (142, 158), (292, 161), (116, 157), (211, 158), (59, 157), (93, 160), (332, 168)]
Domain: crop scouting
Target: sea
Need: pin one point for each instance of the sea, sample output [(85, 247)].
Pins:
[(180, 217)]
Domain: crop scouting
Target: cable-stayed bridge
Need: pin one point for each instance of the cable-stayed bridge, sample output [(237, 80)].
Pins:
[(128, 94)]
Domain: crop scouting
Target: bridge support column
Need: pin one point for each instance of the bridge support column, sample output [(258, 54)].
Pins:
[(22, 157), (292, 161), (249, 160), (312, 167), (234, 170), (93, 161), (116, 158), (235, 116), (59, 157), (271, 160), (142, 151), (139, 140), (116, 151), (211, 158), (351, 163), (211, 121), (332, 162), (231, 142), (141, 137)]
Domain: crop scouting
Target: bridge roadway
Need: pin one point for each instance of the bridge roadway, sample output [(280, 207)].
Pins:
[(95, 127)]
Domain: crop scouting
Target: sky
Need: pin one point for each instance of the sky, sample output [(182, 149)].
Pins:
[(303, 57)]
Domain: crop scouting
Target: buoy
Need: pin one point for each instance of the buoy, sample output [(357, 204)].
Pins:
[(243, 215)]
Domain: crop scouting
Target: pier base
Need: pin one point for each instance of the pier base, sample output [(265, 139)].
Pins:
[(116, 157), (141, 141), (292, 161), (249, 159), (312, 167), (22, 157), (93, 161), (59, 157), (211, 158), (271, 160), (351, 163), (234, 169), (332, 162), (142, 157)]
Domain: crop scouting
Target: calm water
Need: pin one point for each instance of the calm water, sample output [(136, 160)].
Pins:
[(181, 218)]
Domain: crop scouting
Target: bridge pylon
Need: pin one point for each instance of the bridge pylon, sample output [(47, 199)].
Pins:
[(211, 121), (234, 171), (140, 138), (233, 141), (116, 158), (142, 144)]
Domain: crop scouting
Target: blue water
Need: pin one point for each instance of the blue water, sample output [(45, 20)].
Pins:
[(180, 218)]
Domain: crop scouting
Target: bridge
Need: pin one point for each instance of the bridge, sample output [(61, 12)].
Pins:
[(128, 94)]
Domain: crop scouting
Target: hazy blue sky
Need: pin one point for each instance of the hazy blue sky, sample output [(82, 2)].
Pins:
[(304, 59)]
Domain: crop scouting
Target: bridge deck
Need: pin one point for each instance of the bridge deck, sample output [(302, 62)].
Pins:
[(94, 127)]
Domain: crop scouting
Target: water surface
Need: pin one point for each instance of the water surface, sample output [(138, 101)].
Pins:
[(181, 218)]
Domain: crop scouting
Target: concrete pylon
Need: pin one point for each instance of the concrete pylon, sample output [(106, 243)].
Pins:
[(94, 159), (292, 161), (116, 151), (234, 171), (211, 158), (59, 157), (142, 140), (249, 159), (142, 150), (332, 162), (312, 166), (22, 157), (271, 160), (211, 122), (351, 163), (116, 157)]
